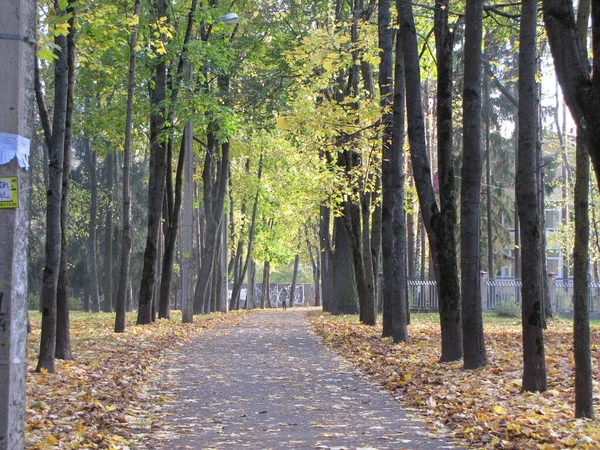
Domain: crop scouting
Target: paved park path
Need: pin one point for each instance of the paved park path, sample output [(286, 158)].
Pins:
[(269, 383)]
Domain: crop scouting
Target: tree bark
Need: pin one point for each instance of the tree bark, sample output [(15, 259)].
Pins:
[(344, 297), (63, 328), (473, 340), (315, 261), (581, 91), (251, 290), (171, 229), (325, 254), (534, 362), (156, 183), (439, 225), (125, 254), (237, 286), (445, 224), (581, 324), (392, 180), (264, 297), (107, 303), (294, 278), (584, 406), (215, 188), (46, 359)]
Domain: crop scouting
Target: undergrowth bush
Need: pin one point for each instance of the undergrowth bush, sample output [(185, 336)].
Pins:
[(508, 309)]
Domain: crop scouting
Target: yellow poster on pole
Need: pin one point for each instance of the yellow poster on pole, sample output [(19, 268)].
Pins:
[(9, 193)]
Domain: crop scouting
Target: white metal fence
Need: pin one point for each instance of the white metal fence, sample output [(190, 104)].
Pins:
[(423, 295)]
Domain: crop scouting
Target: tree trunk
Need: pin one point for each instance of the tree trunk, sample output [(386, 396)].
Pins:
[(294, 278), (488, 179), (364, 288), (344, 297), (215, 188), (534, 362), (581, 91), (439, 225), (376, 233), (125, 255), (370, 317), (107, 304), (251, 291), (581, 325), (63, 329), (156, 181), (445, 225), (584, 406), (315, 262), (473, 339), (237, 286), (325, 254), (264, 297), (171, 230), (91, 158), (188, 225), (392, 180), (56, 147)]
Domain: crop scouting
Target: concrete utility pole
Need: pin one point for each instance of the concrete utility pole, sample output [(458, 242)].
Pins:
[(17, 59)]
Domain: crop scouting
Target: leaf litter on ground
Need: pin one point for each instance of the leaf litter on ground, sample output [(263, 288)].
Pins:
[(481, 408), (110, 395)]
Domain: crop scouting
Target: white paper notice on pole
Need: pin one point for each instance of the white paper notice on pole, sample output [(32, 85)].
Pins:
[(12, 145)]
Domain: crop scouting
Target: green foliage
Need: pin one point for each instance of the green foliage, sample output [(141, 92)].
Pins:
[(508, 308)]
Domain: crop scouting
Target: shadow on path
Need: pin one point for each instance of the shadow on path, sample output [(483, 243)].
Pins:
[(269, 383)]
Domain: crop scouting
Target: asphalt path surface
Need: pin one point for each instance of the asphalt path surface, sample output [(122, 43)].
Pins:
[(269, 383)]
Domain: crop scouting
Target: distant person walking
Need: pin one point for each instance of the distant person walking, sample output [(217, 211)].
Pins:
[(284, 295)]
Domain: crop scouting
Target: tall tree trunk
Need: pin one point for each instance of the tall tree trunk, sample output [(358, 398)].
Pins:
[(294, 279), (488, 178), (315, 261), (325, 254), (411, 236), (91, 159), (215, 188), (534, 361), (581, 91), (187, 300), (107, 304), (251, 291), (445, 226), (237, 286), (376, 233), (344, 297), (584, 406), (171, 230), (392, 180), (63, 328), (56, 147), (440, 225), (264, 297), (125, 255), (371, 307), (156, 183), (473, 339), (223, 305), (581, 325), (364, 287)]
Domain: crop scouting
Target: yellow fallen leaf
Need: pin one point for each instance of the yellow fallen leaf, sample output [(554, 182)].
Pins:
[(51, 440), (499, 409)]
